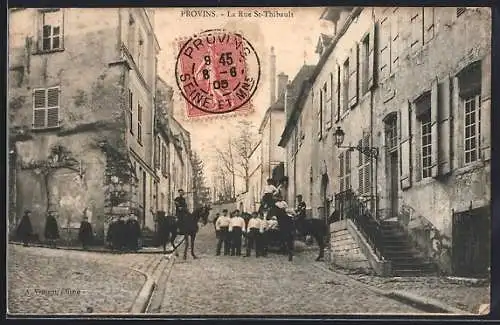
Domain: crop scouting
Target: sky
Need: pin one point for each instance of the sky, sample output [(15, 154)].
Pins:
[(294, 40)]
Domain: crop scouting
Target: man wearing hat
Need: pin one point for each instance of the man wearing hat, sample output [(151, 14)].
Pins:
[(133, 232), (222, 227), (51, 228), (180, 209)]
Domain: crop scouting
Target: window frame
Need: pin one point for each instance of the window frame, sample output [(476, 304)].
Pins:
[(131, 111), (345, 89), (46, 108), (365, 63), (41, 30), (139, 123), (475, 126), (425, 121)]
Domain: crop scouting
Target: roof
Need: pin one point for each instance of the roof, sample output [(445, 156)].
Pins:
[(306, 86), (323, 42), (303, 74)]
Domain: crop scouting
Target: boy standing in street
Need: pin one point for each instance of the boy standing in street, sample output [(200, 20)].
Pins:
[(222, 227), (253, 235), (236, 228)]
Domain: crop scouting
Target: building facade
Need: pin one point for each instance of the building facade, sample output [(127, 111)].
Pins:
[(81, 107), (172, 152), (414, 83)]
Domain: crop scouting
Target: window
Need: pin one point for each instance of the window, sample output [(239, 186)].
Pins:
[(46, 108), (364, 174), (164, 160), (365, 63), (345, 171), (327, 114), (131, 111), (470, 97), (320, 113), (345, 89), (416, 28), (472, 127), (157, 152), (139, 124), (51, 30), (423, 110), (428, 24), (460, 11), (391, 132)]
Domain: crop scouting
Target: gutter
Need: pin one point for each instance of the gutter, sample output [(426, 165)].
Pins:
[(322, 61)]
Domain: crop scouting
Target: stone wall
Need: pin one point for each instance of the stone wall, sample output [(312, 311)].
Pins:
[(345, 251)]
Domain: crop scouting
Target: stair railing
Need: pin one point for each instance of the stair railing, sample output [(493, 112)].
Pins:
[(350, 206)]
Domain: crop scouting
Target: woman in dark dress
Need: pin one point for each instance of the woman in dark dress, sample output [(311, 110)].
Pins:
[(51, 228), (25, 229), (85, 233)]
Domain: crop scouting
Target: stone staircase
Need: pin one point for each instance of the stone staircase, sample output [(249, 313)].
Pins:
[(398, 249)]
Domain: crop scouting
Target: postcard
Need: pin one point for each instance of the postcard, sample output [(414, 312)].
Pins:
[(249, 161)]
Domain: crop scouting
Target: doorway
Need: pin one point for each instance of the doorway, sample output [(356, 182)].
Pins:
[(394, 184), (471, 242), (324, 196)]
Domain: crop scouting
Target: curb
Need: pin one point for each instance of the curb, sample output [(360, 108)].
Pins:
[(143, 299), (423, 303), (427, 304)]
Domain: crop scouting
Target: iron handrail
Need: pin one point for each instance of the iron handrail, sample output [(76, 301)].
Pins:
[(350, 206)]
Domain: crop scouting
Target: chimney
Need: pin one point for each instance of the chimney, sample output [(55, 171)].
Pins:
[(273, 76), (282, 82), (289, 99)]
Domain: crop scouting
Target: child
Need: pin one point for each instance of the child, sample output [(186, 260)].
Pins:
[(268, 194), (253, 234)]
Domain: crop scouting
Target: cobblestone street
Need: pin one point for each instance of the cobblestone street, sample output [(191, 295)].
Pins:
[(272, 285), (49, 281)]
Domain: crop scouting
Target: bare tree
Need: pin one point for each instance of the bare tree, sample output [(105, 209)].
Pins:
[(235, 157)]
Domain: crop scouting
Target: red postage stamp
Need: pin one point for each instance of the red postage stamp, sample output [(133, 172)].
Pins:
[(217, 72)]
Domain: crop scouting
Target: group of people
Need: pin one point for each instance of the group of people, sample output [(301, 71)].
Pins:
[(124, 233), (231, 228)]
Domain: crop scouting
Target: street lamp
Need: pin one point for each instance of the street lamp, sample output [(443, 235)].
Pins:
[(339, 134)]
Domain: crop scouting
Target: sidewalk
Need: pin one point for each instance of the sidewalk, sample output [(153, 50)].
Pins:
[(461, 294), (100, 249)]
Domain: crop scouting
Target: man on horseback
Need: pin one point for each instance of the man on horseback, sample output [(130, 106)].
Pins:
[(300, 213), (180, 208), (268, 195)]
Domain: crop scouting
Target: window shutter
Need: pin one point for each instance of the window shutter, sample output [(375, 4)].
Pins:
[(39, 108), (455, 106), (319, 113), (341, 171), (371, 57), (330, 103), (338, 97), (434, 128), (405, 146), (445, 128), (353, 76), (485, 143)]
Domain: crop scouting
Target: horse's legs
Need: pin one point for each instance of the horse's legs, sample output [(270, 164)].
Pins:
[(186, 246), (193, 237), (321, 243)]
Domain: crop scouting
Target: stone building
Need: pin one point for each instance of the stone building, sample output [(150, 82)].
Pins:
[(81, 107), (414, 84), (172, 152)]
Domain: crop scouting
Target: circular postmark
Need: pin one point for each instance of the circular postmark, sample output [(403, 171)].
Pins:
[(217, 71)]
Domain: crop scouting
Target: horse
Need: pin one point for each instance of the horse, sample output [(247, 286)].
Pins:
[(169, 228), (316, 228)]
